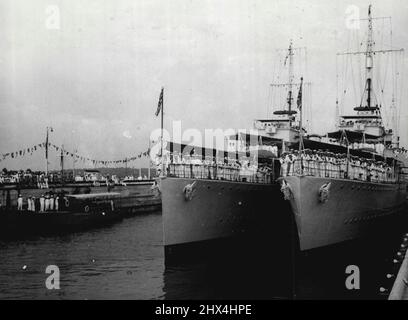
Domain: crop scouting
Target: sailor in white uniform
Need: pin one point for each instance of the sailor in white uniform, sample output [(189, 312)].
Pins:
[(29, 204), (33, 204), (20, 203), (47, 202), (284, 164), (52, 201), (42, 203)]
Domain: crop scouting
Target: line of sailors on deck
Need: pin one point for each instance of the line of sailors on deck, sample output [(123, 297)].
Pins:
[(215, 168), (46, 202), (333, 165)]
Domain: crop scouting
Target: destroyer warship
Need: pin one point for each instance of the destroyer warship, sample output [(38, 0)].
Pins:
[(204, 202)]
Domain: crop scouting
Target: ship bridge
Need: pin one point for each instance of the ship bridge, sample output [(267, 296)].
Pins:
[(367, 120), (278, 128)]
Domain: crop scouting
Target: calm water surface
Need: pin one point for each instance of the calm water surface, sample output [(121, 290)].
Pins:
[(123, 261)]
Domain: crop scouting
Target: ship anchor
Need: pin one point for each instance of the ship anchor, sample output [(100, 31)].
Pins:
[(324, 192), (286, 190), (188, 191)]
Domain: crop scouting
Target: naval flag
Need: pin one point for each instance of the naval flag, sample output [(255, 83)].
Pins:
[(160, 104), (299, 97), (46, 141)]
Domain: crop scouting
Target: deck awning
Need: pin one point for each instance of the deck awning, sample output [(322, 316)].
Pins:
[(352, 136), (91, 171), (259, 139), (202, 152), (322, 146)]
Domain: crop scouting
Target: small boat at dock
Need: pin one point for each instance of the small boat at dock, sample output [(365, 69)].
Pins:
[(76, 212)]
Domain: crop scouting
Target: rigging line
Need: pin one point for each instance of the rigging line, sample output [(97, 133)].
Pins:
[(346, 67), (383, 87), (378, 68), (386, 65), (394, 76), (402, 59), (306, 61), (268, 102), (393, 71), (359, 44), (271, 102), (394, 92), (353, 81), (310, 108), (344, 85), (273, 92), (337, 86), (348, 61), (278, 79)]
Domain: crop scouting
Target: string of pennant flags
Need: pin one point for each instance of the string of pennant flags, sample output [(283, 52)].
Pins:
[(32, 149), (74, 155)]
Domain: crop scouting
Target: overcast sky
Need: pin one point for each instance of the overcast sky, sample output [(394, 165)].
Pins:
[(95, 74)]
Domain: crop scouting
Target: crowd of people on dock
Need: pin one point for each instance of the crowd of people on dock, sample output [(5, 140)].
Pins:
[(28, 178), (334, 165)]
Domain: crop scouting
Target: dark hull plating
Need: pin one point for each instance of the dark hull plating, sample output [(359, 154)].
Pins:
[(219, 210), (353, 209), (223, 209)]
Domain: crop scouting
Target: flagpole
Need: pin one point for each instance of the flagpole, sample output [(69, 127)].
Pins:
[(149, 160), (162, 115), (300, 118), (301, 147), (46, 152), (73, 164), (62, 163)]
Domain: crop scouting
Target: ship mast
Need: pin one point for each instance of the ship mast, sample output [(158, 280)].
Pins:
[(289, 85), (290, 76), (368, 109), (369, 57), (285, 125), (369, 65)]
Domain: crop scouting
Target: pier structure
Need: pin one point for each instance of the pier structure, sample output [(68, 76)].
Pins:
[(399, 290)]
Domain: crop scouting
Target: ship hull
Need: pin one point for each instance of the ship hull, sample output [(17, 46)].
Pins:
[(20, 224), (351, 210), (137, 189), (219, 211)]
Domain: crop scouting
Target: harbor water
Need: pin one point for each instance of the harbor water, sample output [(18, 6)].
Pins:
[(126, 261)]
